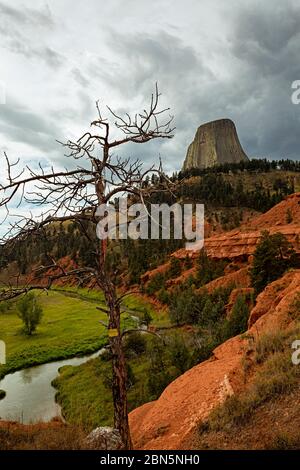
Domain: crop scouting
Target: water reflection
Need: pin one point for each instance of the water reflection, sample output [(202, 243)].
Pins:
[(30, 396)]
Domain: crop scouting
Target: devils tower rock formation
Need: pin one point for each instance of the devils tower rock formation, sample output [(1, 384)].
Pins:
[(215, 143)]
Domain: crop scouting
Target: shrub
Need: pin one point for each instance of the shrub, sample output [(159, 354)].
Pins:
[(30, 312), (158, 373), (155, 284), (233, 412), (268, 344), (106, 355), (204, 346), (131, 380), (157, 382), (283, 441), (4, 306), (185, 306), (175, 268), (202, 308), (135, 343), (188, 263), (179, 353), (295, 307), (163, 296), (278, 375), (208, 269), (147, 318), (2, 394), (238, 320)]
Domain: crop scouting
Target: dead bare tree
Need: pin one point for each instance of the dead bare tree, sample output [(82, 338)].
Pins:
[(74, 195)]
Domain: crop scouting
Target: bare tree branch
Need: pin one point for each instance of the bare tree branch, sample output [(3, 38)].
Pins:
[(73, 195)]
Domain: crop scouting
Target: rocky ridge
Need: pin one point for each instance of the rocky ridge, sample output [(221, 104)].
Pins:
[(241, 243), (168, 422)]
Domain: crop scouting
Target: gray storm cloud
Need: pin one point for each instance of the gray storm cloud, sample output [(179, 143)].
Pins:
[(211, 60)]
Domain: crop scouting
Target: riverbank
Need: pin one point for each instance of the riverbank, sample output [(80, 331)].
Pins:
[(84, 391), (71, 326), (30, 397)]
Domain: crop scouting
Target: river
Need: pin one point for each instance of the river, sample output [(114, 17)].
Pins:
[(30, 397)]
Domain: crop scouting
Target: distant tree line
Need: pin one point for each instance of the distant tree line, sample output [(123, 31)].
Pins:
[(213, 187), (216, 190), (59, 241), (253, 165), (135, 257)]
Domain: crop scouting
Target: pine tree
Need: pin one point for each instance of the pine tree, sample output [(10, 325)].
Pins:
[(238, 320), (273, 255)]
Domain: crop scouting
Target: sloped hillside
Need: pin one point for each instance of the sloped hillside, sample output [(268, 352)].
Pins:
[(241, 243), (286, 211), (172, 421)]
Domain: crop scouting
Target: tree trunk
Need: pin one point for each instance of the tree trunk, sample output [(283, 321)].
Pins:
[(119, 390), (115, 340)]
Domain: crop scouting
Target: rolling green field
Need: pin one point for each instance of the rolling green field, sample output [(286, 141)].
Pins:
[(133, 304), (70, 327)]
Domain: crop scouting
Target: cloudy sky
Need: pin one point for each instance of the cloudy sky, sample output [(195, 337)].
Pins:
[(212, 59)]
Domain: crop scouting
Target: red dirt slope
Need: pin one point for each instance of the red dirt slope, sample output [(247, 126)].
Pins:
[(278, 214), (242, 242), (167, 422)]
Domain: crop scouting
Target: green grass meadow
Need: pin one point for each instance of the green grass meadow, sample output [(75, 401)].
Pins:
[(70, 326)]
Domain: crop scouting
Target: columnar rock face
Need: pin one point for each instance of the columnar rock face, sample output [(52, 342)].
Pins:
[(215, 143)]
